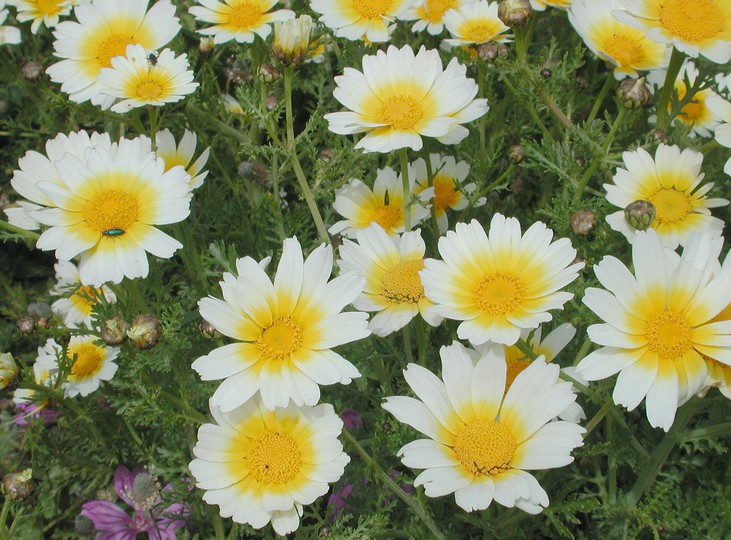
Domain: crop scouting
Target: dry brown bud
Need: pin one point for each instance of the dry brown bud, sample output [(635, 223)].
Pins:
[(514, 13), (144, 332), (207, 329), (516, 153), (269, 74), (26, 325), (633, 93), (31, 70), (114, 331), (18, 486), (583, 222)]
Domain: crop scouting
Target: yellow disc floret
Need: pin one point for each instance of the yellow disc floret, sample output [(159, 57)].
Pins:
[(400, 112), (245, 15), (499, 294), (693, 22), (668, 335), (88, 360), (671, 206), (111, 209), (372, 9), (283, 337), (485, 447), (401, 284), (274, 458)]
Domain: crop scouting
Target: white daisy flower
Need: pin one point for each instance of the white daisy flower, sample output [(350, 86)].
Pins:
[(285, 330), (499, 283), (401, 96), (103, 31), (719, 373), (240, 20), (482, 440), (260, 465), (138, 80), (429, 14), (391, 267), (474, 23), (107, 206), (722, 109), (8, 369), (384, 205), (671, 183), (77, 306), (182, 154), (41, 12), (9, 35), (625, 47), (371, 20), (43, 375), (658, 323)]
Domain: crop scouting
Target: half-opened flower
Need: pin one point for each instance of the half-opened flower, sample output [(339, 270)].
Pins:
[(372, 20), (8, 369), (77, 305), (474, 23), (499, 283), (401, 97), (260, 465), (481, 440), (284, 330), (240, 20), (659, 323)]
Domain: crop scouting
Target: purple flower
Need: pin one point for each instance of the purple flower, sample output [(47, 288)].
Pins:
[(140, 491), (351, 419), (33, 410)]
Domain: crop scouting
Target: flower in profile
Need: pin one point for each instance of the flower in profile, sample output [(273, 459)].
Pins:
[(9, 35), (722, 109), (77, 305), (541, 5), (671, 183), (658, 323), (284, 330), (482, 440), (147, 78), (499, 283), (107, 206), (691, 26), (401, 96), (28, 404), (41, 12), (103, 31), (88, 363), (139, 490), (182, 154), (393, 286), (370, 20), (9, 369), (384, 205), (625, 47), (240, 20), (261, 465), (474, 23), (231, 105), (719, 373), (429, 14), (292, 40), (447, 189)]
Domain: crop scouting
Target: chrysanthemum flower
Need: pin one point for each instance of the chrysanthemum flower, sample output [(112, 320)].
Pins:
[(658, 323), (240, 20), (138, 80), (77, 306), (625, 47), (482, 440), (259, 465), (8, 369), (182, 154), (722, 109), (384, 205), (9, 35), (90, 363), (25, 399), (671, 183), (447, 189), (103, 31), (291, 42), (400, 97), (541, 5), (391, 267), (285, 330), (692, 26), (107, 209), (499, 283), (429, 14), (361, 19), (474, 23), (41, 12), (719, 373)]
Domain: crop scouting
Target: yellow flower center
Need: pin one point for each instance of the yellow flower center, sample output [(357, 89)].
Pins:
[(372, 9), (479, 31), (445, 194), (245, 15), (696, 109), (668, 335), (274, 458), (85, 295), (48, 7), (624, 49), (114, 45), (499, 294), (402, 284), (89, 360), (149, 90), (695, 21), (671, 206), (485, 447), (435, 9), (516, 362), (281, 339), (111, 209), (387, 217), (400, 112)]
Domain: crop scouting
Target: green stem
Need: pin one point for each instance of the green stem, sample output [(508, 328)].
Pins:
[(133, 295), (432, 210), (600, 414), (152, 110), (406, 332), (30, 235), (415, 507), (421, 340), (520, 44), (600, 99), (661, 452), (217, 525), (299, 173), (663, 109), (529, 108), (706, 432), (219, 126), (4, 517), (404, 159), (500, 179), (526, 349)]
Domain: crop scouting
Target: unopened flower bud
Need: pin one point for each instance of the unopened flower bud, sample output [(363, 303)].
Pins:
[(514, 13), (326, 154), (206, 46), (271, 102), (144, 332), (44, 322), (582, 222), (254, 171), (487, 52), (26, 325), (114, 331), (633, 93), (546, 73), (516, 153), (208, 330), (292, 40), (268, 74), (84, 526), (8, 370), (31, 70), (640, 214), (18, 486), (661, 136)]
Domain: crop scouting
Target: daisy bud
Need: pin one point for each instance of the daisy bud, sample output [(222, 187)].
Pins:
[(661, 136), (487, 52), (144, 332), (254, 171), (84, 526), (206, 46), (8, 370), (269, 74), (271, 103), (546, 73), (208, 330), (18, 486), (292, 40), (26, 325), (582, 222), (31, 70), (114, 331), (633, 93), (514, 13), (640, 214), (516, 153), (326, 154)]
